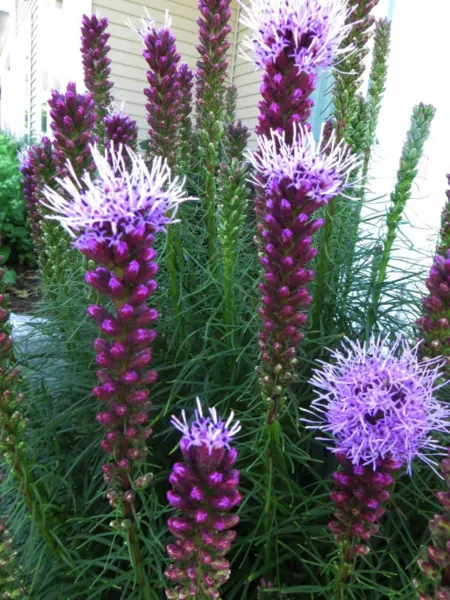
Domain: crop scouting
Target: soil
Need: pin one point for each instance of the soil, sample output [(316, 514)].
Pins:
[(24, 294)]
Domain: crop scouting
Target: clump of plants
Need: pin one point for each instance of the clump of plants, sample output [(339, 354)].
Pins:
[(17, 246), (235, 294)]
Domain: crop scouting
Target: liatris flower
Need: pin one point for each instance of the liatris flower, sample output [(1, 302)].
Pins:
[(12, 423), (120, 131), (94, 53), (205, 491), (213, 29), (377, 83), (422, 117), (232, 209), (444, 232), (230, 104), (185, 78), (350, 70), (291, 41), (163, 93), (73, 123), (298, 180), (378, 405), (236, 137), (434, 326), (11, 585), (435, 566), (114, 220), (36, 166)]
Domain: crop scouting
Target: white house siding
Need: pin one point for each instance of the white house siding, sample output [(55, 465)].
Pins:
[(34, 111), (128, 65), (21, 9)]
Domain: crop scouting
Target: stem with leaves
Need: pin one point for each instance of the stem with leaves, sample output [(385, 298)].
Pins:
[(412, 152)]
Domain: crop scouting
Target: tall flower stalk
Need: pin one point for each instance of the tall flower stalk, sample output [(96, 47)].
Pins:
[(120, 132), (204, 490), (377, 85), (434, 325), (435, 562), (164, 114), (186, 81), (114, 221), (232, 210), (418, 133), (12, 435), (96, 65), (379, 408), (213, 29), (291, 41), (36, 167), (298, 180)]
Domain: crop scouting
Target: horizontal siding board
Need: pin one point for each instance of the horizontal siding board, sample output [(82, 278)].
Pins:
[(128, 68), (186, 11)]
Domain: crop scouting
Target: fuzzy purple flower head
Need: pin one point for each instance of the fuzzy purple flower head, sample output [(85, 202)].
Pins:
[(209, 434), (310, 31), (320, 172), (117, 201), (378, 402)]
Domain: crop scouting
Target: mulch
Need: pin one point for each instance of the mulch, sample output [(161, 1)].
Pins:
[(24, 294)]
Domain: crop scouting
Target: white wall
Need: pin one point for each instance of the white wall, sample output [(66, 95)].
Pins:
[(418, 68)]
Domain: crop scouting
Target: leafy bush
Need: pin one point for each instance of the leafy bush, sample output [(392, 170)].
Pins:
[(14, 228)]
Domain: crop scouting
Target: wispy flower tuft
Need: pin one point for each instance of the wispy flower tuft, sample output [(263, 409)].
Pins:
[(310, 32), (380, 403), (320, 170), (205, 492), (295, 181), (117, 201)]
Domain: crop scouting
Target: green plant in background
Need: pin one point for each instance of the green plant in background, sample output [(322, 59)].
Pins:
[(17, 246), (377, 85), (412, 153)]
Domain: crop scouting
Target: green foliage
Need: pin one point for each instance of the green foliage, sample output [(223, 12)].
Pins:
[(412, 153), (13, 218)]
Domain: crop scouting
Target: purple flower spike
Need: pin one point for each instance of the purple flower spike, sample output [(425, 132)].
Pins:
[(36, 167), (120, 208), (297, 181), (434, 326), (163, 93), (359, 499), (204, 490), (291, 41), (213, 29), (185, 79), (120, 131), (377, 405), (73, 123), (114, 220), (96, 64)]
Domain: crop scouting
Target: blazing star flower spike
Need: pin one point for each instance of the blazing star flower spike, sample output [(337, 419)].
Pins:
[(378, 403), (324, 171), (117, 201), (310, 31), (210, 430), (205, 492)]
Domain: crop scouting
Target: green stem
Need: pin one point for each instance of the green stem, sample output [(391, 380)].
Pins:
[(323, 266), (211, 208), (173, 280)]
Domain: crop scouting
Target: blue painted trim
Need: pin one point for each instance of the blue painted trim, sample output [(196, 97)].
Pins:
[(391, 9)]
